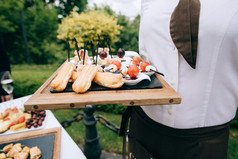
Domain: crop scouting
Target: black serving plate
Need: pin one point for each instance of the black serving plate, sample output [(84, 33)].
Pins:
[(44, 143), (144, 84)]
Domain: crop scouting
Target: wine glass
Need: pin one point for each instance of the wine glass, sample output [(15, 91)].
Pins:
[(7, 82)]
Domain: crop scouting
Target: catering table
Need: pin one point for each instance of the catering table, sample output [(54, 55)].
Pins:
[(68, 147)]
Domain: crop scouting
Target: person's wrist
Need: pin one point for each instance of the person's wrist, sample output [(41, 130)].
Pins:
[(6, 98)]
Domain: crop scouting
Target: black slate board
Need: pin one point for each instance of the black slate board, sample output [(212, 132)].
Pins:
[(144, 84), (44, 143)]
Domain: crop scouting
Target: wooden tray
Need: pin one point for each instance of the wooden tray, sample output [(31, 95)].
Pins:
[(30, 138), (42, 99)]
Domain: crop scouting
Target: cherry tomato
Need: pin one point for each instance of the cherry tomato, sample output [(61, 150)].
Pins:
[(136, 60), (12, 124), (6, 119), (143, 66), (15, 110), (117, 63), (21, 119), (133, 71)]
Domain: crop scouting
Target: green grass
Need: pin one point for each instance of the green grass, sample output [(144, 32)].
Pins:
[(109, 140), (28, 78), (233, 144)]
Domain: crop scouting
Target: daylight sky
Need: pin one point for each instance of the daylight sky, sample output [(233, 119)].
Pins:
[(129, 8)]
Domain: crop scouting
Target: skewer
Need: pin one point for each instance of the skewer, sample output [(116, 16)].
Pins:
[(77, 48), (97, 54), (103, 44), (92, 50), (84, 49), (99, 40), (110, 53), (68, 52), (157, 72)]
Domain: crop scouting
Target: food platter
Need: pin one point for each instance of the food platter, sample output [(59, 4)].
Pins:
[(20, 109), (48, 141), (110, 72), (43, 99)]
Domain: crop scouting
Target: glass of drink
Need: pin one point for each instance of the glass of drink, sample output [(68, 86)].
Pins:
[(7, 83)]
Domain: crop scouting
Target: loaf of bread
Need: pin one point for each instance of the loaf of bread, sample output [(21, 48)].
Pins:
[(84, 80), (62, 78), (109, 80), (35, 153), (74, 75)]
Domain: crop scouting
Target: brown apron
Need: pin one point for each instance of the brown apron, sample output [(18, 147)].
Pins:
[(149, 139)]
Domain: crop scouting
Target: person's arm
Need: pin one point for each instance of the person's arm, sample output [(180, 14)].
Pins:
[(4, 66)]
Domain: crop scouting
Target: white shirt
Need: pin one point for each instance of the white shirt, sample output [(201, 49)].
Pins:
[(209, 92)]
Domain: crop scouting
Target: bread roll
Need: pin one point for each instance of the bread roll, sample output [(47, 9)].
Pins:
[(35, 153), (74, 75), (84, 80), (109, 80), (62, 78)]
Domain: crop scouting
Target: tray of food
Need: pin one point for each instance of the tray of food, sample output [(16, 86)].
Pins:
[(39, 144), (103, 79), (104, 73), (13, 119)]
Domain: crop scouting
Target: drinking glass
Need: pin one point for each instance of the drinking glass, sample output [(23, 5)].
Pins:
[(7, 83)]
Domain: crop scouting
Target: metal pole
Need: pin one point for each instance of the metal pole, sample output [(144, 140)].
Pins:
[(92, 147)]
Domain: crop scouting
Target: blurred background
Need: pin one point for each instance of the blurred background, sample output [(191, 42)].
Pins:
[(35, 33)]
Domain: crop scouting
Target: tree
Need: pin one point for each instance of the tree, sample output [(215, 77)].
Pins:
[(66, 6), (106, 8), (41, 24), (10, 30), (41, 31), (129, 33), (9, 15), (128, 38), (86, 27)]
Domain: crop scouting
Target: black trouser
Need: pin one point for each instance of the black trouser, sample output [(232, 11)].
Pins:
[(149, 139)]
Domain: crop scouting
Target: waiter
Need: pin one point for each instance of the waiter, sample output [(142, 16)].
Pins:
[(195, 44), (4, 66)]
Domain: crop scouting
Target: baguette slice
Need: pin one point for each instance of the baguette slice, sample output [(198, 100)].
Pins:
[(74, 75), (21, 155), (62, 78), (15, 149), (35, 153), (18, 127), (109, 80), (84, 80), (7, 148)]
